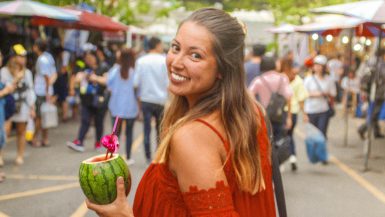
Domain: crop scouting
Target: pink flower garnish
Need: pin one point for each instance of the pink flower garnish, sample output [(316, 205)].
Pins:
[(110, 142)]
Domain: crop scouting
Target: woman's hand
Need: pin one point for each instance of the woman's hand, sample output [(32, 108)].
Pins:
[(93, 78), (139, 117), (118, 208), (32, 112)]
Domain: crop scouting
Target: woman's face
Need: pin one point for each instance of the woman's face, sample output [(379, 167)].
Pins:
[(191, 64), (291, 73), (90, 60), (22, 60), (317, 68)]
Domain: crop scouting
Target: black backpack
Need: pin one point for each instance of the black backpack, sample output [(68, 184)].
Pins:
[(277, 102)]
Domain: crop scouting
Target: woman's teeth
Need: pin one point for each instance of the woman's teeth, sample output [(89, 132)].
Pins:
[(178, 77)]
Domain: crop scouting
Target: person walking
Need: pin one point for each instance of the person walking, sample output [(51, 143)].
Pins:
[(45, 77), (214, 156), (94, 100), (151, 83), (61, 85), (124, 102), (296, 102), (379, 98), (264, 86), (350, 85), (19, 79), (336, 70), (322, 91), (252, 67)]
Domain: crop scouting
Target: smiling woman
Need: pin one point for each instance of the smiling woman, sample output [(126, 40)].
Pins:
[(191, 62), (214, 154)]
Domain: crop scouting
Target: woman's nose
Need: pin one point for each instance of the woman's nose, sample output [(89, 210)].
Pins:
[(177, 61)]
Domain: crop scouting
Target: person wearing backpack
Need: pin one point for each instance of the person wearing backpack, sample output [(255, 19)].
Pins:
[(273, 91), (16, 74)]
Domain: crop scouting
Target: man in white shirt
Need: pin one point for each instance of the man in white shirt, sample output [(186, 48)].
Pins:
[(45, 76), (336, 69), (151, 81)]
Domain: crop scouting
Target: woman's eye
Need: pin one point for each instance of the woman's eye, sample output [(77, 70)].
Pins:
[(196, 56), (174, 48)]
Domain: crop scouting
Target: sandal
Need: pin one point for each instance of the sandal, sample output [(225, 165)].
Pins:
[(45, 144), (35, 144)]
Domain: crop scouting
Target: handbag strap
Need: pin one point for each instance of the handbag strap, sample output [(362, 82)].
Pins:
[(320, 89), (277, 179)]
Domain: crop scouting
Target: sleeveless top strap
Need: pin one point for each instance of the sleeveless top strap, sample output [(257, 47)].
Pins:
[(216, 132)]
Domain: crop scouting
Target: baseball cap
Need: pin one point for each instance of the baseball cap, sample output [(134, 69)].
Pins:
[(18, 50), (320, 59)]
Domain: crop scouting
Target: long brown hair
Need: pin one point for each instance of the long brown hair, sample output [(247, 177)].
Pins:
[(126, 61), (287, 67), (229, 95)]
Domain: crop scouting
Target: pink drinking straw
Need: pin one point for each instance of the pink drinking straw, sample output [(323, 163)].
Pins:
[(110, 142)]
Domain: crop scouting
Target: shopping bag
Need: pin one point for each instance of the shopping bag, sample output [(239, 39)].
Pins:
[(49, 116), (315, 144)]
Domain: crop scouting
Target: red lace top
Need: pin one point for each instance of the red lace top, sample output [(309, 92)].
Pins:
[(159, 195)]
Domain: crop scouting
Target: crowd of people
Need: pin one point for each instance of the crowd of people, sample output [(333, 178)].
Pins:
[(88, 86), (285, 87)]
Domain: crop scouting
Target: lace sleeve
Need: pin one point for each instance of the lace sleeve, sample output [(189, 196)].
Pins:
[(214, 202)]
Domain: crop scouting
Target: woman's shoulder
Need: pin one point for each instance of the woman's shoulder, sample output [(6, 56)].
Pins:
[(205, 134), (200, 132), (196, 155)]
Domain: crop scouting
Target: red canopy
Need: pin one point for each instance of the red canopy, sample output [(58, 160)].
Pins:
[(87, 21)]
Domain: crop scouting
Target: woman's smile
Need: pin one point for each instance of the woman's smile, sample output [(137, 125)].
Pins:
[(178, 78)]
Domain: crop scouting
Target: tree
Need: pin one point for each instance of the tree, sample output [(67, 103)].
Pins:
[(290, 11)]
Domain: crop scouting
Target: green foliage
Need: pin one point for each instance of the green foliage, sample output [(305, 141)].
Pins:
[(289, 11), (143, 6), (112, 8)]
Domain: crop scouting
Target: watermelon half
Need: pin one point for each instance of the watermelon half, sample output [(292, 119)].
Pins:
[(97, 177)]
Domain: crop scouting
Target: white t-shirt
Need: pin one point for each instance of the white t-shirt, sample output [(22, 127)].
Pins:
[(352, 85), (319, 104), (151, 78), (335, 67), (45, 66)]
